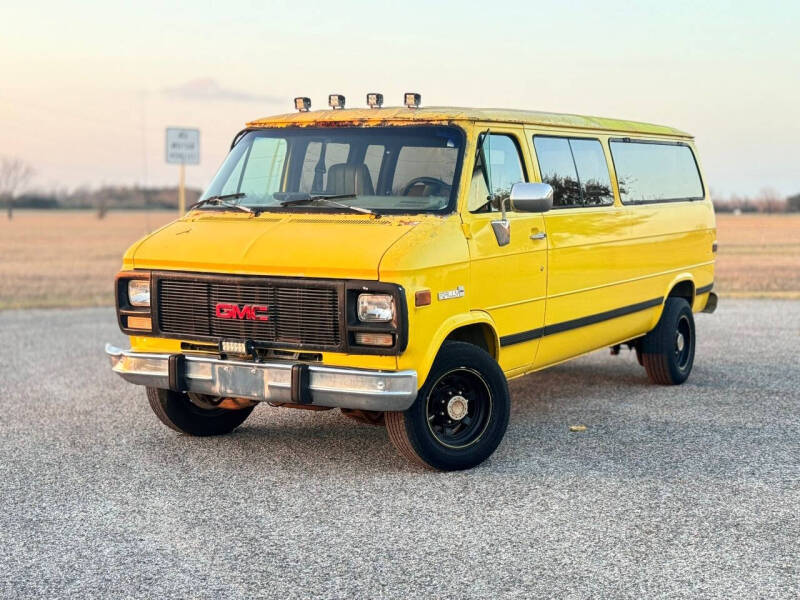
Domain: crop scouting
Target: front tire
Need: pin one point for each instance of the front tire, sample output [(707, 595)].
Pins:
[(460, 414), (667, 352), (178, 412)]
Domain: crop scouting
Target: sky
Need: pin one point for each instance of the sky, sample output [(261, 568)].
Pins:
[(88, 88)]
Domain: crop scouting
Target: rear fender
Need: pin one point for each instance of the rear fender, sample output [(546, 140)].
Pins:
[(681, 280)]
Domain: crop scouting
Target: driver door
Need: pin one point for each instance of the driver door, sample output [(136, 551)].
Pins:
[(508, 276)]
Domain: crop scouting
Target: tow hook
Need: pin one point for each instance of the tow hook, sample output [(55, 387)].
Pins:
[(211, 402), (236, 403)]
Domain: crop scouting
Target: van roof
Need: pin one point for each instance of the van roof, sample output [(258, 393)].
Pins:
[(374, 116)]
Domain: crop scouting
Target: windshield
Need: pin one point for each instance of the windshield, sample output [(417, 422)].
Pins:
[(386, 169)]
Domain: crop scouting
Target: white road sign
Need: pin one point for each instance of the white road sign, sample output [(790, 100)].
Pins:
[(183, 146)]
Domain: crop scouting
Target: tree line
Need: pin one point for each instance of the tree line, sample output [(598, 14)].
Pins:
[(16, 174), (766, 201)]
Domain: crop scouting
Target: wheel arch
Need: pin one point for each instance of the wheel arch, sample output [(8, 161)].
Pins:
[(475, 327), (681, 286)]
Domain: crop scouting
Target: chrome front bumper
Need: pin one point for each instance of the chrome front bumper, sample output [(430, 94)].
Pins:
[(275, 382)]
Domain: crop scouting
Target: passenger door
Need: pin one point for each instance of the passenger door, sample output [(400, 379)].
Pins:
[(587, 235), (507, 279)]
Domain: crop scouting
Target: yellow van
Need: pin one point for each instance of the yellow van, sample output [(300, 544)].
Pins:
[(401, 264)]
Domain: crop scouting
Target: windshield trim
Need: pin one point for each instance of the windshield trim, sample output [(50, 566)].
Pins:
[(452, 203)]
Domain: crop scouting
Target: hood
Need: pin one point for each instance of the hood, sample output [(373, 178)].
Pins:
[(304, 245)]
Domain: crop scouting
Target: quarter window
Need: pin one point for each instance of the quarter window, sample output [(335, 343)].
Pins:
[(655, 172), (576, 169)]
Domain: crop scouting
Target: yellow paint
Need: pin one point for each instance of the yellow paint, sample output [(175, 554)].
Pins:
[(593, 260)]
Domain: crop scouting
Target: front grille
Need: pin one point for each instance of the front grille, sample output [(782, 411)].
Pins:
[(298, 315)]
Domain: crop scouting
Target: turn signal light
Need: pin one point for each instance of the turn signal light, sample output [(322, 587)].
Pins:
[(144, 323), (374, 339)]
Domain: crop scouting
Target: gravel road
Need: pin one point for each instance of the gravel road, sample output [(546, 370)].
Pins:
[(670, 492)]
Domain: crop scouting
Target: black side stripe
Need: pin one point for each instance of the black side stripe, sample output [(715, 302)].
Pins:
[(705, 289), (526, 336)]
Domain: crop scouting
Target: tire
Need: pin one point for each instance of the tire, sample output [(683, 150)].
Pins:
[(667, 352), (440, 439), (177, 412)]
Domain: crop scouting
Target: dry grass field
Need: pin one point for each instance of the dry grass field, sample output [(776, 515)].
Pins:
[(69, 258), (66, 258), (759, 255)]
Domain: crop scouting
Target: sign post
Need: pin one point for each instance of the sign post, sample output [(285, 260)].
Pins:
[(183, 148)]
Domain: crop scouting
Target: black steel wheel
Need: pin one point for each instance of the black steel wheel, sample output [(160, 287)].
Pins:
[(458, 407), (177, 411), (461, 412), (667, 352)]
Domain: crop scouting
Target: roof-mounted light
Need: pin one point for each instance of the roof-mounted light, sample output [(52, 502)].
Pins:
[(302, 104), (336, 101), (374, 100), (412, 99)]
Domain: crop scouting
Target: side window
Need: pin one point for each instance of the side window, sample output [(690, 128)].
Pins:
[(504, 168), (593, 174), (264, 167), (558, 169), (653, 172), (576, 169)]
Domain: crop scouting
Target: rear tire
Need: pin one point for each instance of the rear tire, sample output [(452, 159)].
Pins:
[(460, 414), (667, 352), (177, 412)]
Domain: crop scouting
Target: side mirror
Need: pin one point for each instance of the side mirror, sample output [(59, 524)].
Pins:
[(531, 197)]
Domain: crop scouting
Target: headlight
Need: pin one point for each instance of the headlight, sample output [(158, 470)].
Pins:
[(139, 292), (375, 308)]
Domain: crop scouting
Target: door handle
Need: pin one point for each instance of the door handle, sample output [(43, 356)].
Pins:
[(538, 236)]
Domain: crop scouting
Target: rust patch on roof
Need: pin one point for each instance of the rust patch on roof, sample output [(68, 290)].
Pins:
[(393, 116)]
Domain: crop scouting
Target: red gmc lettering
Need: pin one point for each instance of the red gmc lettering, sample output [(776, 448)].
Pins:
[(248, 312)]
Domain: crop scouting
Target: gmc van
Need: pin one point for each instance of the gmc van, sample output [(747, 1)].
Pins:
[(401, 264)]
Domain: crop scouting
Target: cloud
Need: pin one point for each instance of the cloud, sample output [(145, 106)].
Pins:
[(210, 90)]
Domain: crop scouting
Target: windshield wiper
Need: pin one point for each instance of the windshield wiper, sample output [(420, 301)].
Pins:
[(328, 199), (220, 201)]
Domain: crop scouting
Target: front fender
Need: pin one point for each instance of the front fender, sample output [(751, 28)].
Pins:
[(447, 327)]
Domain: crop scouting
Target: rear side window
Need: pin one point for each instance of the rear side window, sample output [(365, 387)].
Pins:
[(655, 172), (576, 169)]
